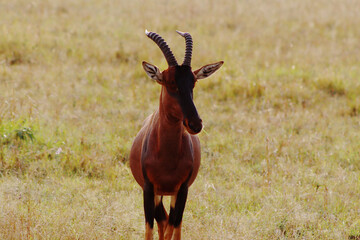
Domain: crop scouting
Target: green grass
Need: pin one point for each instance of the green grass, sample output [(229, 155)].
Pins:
[(281, 139)]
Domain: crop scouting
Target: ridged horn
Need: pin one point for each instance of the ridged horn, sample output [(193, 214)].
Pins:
[(169, 56), (189, 46)]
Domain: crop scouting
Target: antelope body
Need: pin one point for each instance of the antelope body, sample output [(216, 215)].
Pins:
[(165, 156)]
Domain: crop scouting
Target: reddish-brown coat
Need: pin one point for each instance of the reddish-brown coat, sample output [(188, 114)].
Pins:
[(168, 152)]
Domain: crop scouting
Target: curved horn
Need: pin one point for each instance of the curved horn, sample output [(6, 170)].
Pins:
[(169, 56), (189, 45)]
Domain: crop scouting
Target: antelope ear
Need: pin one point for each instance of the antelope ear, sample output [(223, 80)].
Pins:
[(207, 70), (152, 71)]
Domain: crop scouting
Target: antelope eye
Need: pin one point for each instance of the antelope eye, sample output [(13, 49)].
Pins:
[(173, 87)]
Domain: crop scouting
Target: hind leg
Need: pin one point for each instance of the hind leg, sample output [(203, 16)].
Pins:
[(173, 229), (170, 226), (161, 216)]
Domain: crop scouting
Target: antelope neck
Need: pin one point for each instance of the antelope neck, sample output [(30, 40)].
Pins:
[(171, 128)]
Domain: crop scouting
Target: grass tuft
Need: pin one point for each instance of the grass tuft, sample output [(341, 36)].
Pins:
[(331, 86)]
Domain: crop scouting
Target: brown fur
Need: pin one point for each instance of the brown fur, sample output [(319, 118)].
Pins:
[(165, 156), (171, 151)]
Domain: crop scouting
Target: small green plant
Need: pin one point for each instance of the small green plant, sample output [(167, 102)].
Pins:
[(25, 134), (332, 86)]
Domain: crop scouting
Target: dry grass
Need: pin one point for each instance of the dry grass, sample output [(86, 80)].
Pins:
[(281, 144)]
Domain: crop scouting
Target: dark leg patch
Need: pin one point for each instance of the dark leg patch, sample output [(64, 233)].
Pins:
[(172, 216), (176, 214), (149, 203), (160, 213)]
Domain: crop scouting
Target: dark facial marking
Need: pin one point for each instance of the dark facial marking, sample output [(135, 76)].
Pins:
[(185, 82), (184, 78)]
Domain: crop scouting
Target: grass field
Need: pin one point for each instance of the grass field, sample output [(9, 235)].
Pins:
[(281, 146)]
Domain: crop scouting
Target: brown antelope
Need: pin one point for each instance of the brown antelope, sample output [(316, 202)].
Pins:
[(165, 155)]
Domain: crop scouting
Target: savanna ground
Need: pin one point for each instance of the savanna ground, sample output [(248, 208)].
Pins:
[(281, 144)]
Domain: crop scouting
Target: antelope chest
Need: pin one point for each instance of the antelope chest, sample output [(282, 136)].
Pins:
[(167, 173)]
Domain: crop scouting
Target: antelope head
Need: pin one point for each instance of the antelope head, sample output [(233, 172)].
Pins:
[(179, 81)]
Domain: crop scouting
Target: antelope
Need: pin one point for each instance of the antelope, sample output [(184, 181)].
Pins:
[(165, 155)]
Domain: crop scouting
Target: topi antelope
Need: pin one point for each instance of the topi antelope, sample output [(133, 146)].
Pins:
[(165, 155)]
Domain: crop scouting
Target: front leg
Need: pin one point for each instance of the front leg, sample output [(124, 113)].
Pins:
[(176, 213), (149, 208)]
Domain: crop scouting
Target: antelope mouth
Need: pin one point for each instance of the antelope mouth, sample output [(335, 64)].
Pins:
[(193, 127)]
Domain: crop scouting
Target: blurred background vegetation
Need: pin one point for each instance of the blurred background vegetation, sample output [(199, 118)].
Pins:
[(280, 150)]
